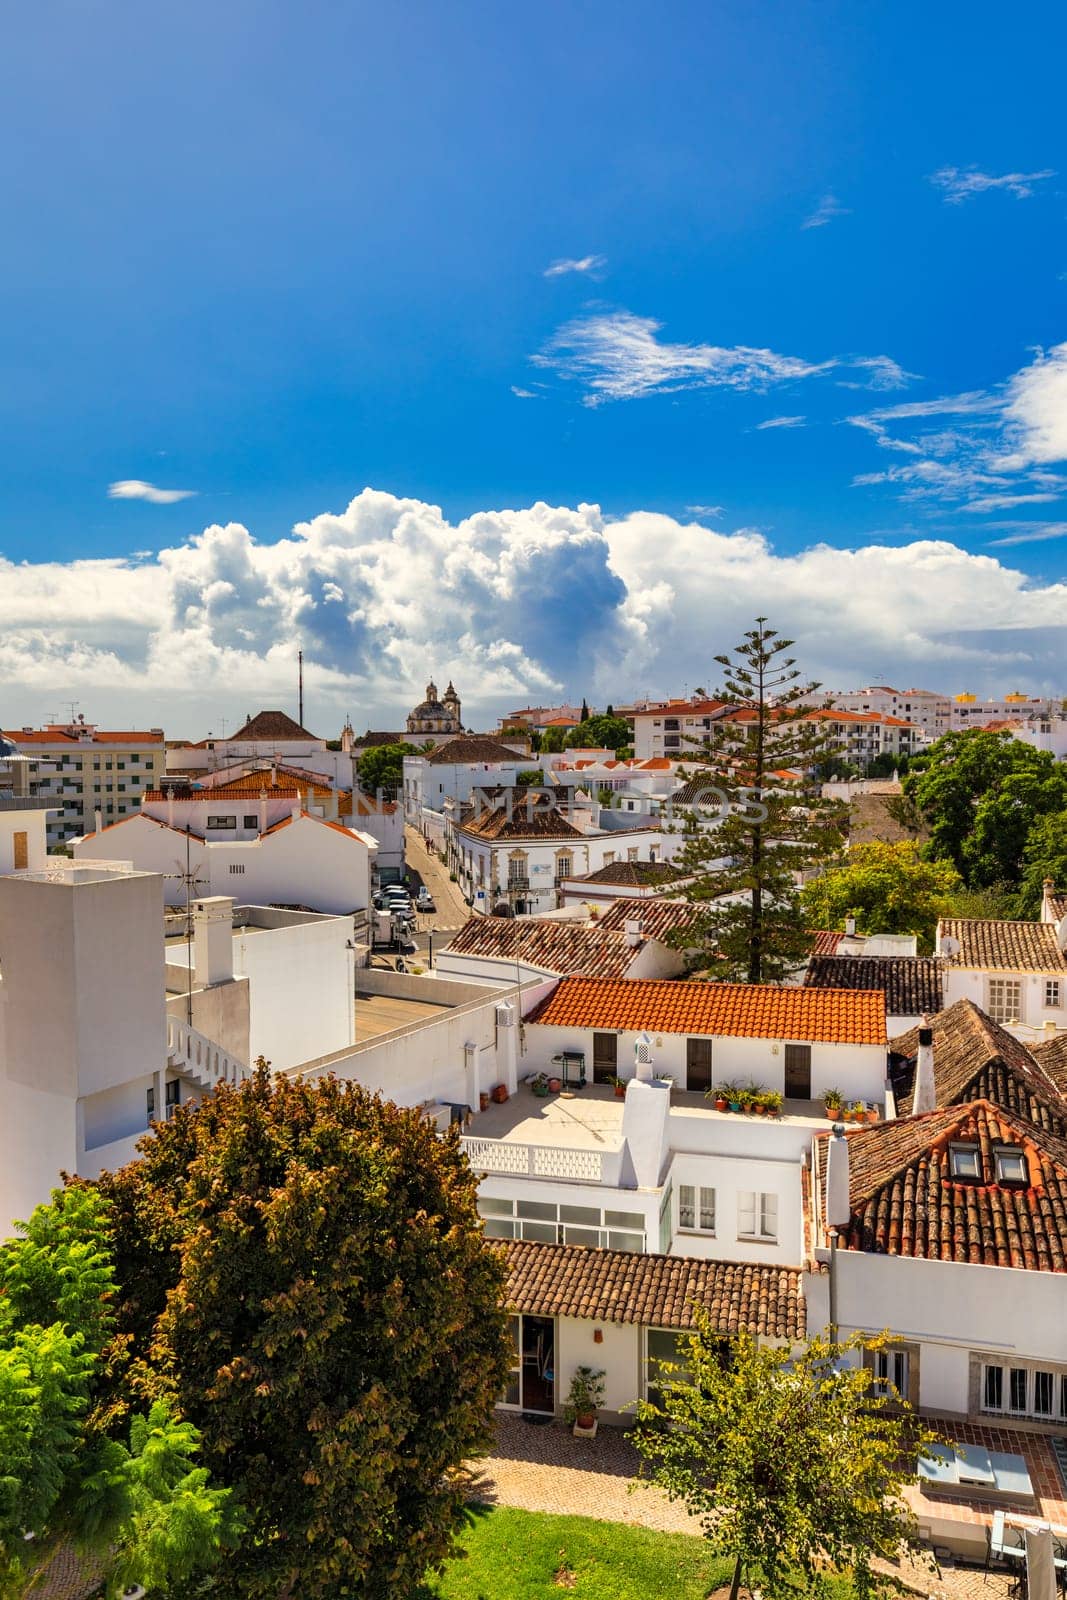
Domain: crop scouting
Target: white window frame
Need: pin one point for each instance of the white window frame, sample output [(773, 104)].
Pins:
[(891, 1372), (760, 1209), (965, 1163), (1016, 1375), (696, 1202), (1005, 999), (1017, 1155), (1052, 994)]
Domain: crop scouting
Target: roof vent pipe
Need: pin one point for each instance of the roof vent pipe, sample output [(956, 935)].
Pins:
[(924, 1097)]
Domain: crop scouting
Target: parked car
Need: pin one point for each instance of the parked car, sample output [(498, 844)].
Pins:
[(424, 900)]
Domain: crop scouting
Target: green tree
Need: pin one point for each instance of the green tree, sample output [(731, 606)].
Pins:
[(885, 764), (888, 888), (789, 1459), (599, 733), (979, 793), (529, 777), (551, 741), (143, 1509), (382, 766), (520, 732), (303, 1268), (1045, 856), (585, 710), (773, 826)]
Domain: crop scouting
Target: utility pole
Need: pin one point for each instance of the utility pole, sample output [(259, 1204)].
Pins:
[(190, 881), (300, 668)]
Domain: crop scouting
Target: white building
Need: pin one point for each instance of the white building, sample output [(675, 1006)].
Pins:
[(85, 769), (455, 769), (1014, 971), (269, 736), (926, 709), (675, 729), (299, 860), (23, 841)]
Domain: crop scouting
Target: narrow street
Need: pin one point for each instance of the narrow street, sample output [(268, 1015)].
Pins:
[(452, 910)]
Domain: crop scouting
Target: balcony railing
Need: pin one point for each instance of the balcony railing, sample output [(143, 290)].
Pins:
[(533, 1160)]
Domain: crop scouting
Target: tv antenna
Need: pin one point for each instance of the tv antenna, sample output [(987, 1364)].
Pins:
[(190, 880)]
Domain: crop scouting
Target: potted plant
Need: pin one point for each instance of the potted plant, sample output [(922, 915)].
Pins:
[(539, 1085), (499, 1092), (872, 1113), (772, 1100), (735, 1098), (721, 1094), (758, 1101), (832, 1102), (585, 1397), (619, 1085), (483, 1100), (857, 1111)]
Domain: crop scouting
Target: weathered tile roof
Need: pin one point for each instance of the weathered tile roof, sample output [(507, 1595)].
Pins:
[(825, 942), (976, 1059), (905, 1201), (538, 823), (657, 917), (557, 1280), (912, 984), (269, 725), (1057, 904), (634, 874), (1004, 946), (737, 1010), (473, 750), (1051, 1057), (559, 947)]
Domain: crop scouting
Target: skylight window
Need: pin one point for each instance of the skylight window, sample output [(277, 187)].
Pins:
[(1011, 1166), (964, 1162)]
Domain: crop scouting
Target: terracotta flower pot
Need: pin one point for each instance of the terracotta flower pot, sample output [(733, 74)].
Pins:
[(500, 1093), (620, 1091), (554, 1085), (585, 1419), (721, 1104), (483, 1100)]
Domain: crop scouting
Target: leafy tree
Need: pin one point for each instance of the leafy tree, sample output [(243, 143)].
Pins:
[(889, 888), (1045, 856), (143, 1510), (885, 764), (382, 766), (529, 776), (979, 793), (303, 1268), (995, 902), (836, 767), (772, 830), (788, 1462), (520, 732), (599, 733), (585, 710), (551, 741)]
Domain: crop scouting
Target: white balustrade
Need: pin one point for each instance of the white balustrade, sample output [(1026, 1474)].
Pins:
[(533, 1160), (201, 1057)]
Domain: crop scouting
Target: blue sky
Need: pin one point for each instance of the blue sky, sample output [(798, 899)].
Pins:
[(271, 254)]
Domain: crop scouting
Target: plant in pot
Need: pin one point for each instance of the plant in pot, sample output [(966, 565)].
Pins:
[(833, 1101), (619, 1085), (872, 1113), (539, 1085), (758, 1102), (584, 1399), (772, 1101), (721, 1095), (734, 1097), (857, 1111)]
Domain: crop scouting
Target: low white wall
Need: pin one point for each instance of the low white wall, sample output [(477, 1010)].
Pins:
[(302, 989), (617, 1356)]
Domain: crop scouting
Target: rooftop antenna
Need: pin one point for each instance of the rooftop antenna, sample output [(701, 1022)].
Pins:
[(190, 880), (300, 667), (74, 704)]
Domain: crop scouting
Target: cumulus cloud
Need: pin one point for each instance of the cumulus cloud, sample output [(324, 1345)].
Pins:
[(990, 450), (584, 265), (616, 355), (781, 422), (827, 209), (137, 489), (512, 605), (960, 183)]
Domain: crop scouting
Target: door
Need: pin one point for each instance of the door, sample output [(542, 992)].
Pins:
[(798, 1071), (698, 1063), (605, 1057)]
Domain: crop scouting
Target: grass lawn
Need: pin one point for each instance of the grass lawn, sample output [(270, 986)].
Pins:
[(524, 1555)]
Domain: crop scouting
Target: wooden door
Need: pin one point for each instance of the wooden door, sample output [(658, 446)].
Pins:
[(605, 1057), (698, 1064), (798, 1071)]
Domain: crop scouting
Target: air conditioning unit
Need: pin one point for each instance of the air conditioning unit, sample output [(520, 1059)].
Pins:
[(505, 1015)]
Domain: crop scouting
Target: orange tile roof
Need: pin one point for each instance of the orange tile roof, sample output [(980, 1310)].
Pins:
[(735, 1010), (57, 736)]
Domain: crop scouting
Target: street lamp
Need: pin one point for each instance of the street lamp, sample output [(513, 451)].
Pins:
[(429, 963)]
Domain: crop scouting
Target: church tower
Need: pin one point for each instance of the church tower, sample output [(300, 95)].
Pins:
[(452, 706)]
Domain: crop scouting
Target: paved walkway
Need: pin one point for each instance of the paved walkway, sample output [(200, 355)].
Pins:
[(452, 910), (544, 1468)]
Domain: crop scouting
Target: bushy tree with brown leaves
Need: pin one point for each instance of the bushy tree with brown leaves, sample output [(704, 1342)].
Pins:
[(302, 1269)]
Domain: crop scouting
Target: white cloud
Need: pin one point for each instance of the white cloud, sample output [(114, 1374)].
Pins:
[(958, 184), (781, 422), (525, 394), (995, 448), (590, 265), (705, 511), (546, 600), (616, 355), (827, 209), (136, 489), (1032, 533)]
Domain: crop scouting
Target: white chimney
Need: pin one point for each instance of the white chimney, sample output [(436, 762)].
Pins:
[(262, 810), (643, 1058), (98, 822), (632, 930), (838, 1205), (924, 1094), (850, 927), (213, 940)]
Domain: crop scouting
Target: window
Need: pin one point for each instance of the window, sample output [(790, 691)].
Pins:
[(222, 822), (661, 1345), (632, 852), (609, 857), (517, 869), (1005, 999), (21, 843), (236, 870), (891, 1371), (1052, 993), (172, 1094), (696, 1209), (564, 866), (964, 1161), (1011, 1164), (251, 822), (757, 1215), (546, 1222), (151, 1098)]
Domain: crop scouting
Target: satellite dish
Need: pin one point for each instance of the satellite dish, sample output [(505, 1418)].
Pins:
[(948, 946)]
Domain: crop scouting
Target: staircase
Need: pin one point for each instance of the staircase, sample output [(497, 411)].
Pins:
[(199, 1058)]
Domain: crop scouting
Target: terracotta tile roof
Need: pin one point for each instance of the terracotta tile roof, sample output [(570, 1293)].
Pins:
[(633, 874), (544, 823), (736, 1010), (371, 741), (362, 805), (558, 1280), (557, 947), (473, 750), (976, 1059), (269, 725), (1051, 1057), (1057, 904), (100, 736), (672, 708), (1004, 946), (825, 942), (657, 917), (905, 1201), (912, 984)]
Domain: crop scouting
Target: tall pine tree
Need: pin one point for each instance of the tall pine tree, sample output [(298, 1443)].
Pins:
[(746, 863)]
